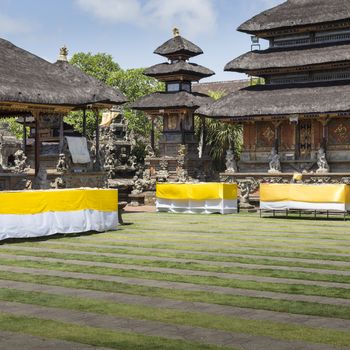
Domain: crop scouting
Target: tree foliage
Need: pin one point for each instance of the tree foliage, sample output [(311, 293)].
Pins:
[(221, 136), (131, 82), (100, 65)]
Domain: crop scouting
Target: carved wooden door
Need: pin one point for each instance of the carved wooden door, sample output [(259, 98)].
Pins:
[(304, 140)]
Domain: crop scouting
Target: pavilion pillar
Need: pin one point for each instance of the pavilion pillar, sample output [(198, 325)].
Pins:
[(277, 135), (36, 116), (152, 132), (97, 139), (61, 135), (324, 122), (84, 122), (24, 144)]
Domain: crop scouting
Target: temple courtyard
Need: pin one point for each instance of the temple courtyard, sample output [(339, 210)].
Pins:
[(175, 281)]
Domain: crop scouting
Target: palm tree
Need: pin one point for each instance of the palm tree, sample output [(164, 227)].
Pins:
[(220, 136)]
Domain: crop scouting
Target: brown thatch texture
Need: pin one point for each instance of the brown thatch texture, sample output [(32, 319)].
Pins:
[(288, 57), (178, 45), (266, 100), (163, 100), (181, 67), (27, 78), (294, 13), (226, 87), (77, 78)]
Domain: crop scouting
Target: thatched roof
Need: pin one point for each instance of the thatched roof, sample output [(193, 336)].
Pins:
[(178, 46), (226, 87), (293, 13), (164, 100), (76, 77), (264, 100), (290, 57), (27, 78), (180, 67)]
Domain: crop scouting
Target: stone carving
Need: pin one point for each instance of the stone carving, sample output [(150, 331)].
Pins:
[(149, 152), (62, 166), (58, 183), (322, 163), (20, 162), (142, 182), (247, 186), (181, 173), (116, 146), (40, 181), (231, 165), (274, 162), (162, 175)]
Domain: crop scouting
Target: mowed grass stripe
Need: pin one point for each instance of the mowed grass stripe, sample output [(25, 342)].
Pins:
[(294, 287), (342, 253), (181, 257), (94, 336), (193, 319), (164, 303), (242, 241), (212, 254), (191, 265), (326, 309)]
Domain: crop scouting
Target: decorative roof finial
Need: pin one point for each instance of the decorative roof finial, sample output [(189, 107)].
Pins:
[(63, 54), (176, 32)]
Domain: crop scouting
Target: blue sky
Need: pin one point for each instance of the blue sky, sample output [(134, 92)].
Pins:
[(130, 30)]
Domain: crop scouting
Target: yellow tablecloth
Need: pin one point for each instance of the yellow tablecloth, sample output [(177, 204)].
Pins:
[(42, 213), (200, 191), (305, 193), (205, 198)]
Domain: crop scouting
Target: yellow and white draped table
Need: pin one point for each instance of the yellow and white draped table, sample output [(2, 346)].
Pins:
[(204, 198), (305, 197), (46, 212)]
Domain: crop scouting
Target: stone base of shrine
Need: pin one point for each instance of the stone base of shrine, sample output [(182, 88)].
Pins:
[(10, 181)]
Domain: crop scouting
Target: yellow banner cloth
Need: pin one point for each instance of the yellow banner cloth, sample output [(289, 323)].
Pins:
[(34, 202), (201, 191), (305, 193)]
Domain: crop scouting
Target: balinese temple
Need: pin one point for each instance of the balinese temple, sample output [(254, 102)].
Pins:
[(43, 93), (176, 105), (299, 118)]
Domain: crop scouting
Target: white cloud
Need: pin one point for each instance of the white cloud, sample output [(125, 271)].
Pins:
[(113, 10), (10, 25), (193, 17)]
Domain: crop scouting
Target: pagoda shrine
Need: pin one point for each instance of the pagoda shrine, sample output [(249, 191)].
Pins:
[(176, 106), (299, 118)]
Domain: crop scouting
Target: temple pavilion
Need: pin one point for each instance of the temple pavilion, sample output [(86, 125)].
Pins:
[(302, 110), (176, 105), (43, 93)]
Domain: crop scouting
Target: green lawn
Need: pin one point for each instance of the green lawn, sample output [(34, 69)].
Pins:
[(283, 279)]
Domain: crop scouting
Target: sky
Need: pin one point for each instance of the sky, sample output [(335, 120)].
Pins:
[(130, 30)]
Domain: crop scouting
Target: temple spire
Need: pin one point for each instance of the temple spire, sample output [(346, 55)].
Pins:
[(176, 32), (63, 54)]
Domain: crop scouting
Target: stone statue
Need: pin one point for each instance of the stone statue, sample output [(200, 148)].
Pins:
[(322, 163), (275, 163), (162, 175), (181, 173), (40, 181), (231, 165), (62, 166), (149, 152), (20, 162)]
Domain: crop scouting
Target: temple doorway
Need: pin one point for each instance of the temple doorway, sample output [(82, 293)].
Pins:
[(304, 140)]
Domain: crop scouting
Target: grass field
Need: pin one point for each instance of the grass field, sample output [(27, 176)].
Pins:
[(173, 281)]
